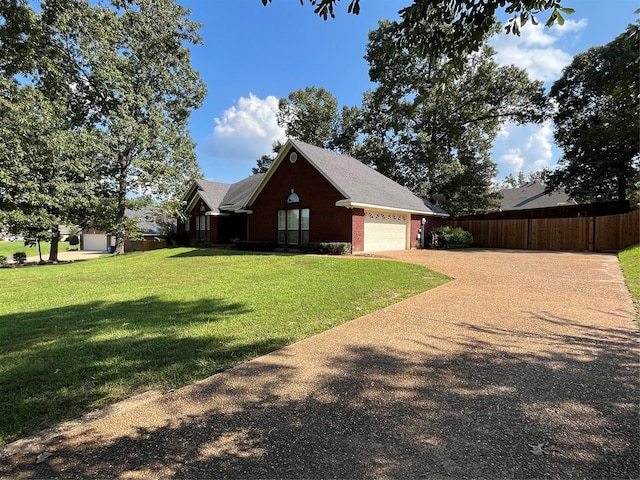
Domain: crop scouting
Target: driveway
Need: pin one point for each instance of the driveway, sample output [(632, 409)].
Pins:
[(524, 366)]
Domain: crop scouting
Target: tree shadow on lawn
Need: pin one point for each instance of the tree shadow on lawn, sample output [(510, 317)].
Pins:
[(378, 412), (60, 363)]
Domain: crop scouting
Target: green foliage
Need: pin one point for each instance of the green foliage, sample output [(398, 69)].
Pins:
[(3, 260), (73, 240), (630, 263), (434, 133), (20, 257), (446, 238), (312, 116), (122, 128), (102, 330), (461, 25), (327, 248), (597, 122)]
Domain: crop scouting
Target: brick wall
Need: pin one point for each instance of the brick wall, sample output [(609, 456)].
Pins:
[(327, 223)]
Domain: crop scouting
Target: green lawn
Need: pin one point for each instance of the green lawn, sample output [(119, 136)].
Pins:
[(101, 330), (630, 263), (9, 248)]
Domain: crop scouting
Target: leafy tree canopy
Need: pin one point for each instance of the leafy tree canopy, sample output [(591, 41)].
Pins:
[(455, 28), (433, 134), (596, 122), (119, 71)]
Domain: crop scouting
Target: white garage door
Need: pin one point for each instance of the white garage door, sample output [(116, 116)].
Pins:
[(94, 241), (384, 231)]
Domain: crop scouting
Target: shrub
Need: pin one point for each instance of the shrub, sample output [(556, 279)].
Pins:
[(3, 260), (20, 257), (450, 237), (74, 241), (327, 248)]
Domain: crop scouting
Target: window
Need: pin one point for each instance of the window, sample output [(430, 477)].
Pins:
[(187, 223), (293, 226), (202, 228)]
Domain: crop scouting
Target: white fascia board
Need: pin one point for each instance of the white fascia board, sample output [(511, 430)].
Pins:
[(348, 203), (216, 214), (194, 200)]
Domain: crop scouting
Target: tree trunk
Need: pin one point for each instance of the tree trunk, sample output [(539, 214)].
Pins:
[(119, 249), (53, 253)]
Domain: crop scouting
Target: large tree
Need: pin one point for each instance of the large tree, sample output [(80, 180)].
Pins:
[(139, 88), (461, 25), (45, 164), (312, 116), (118, 72), (596, 122), (433, 134), (46, 177)]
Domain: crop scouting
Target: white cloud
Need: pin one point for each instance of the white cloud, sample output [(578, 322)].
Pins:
[(512, 158), (536, 49), (246, 131), (539, 146), (524, 148)]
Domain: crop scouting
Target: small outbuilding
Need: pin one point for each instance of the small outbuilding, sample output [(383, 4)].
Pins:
[(309, 194)]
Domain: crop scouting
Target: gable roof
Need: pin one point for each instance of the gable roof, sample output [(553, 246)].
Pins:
[(238, 194), (361, 185), (531, 195), (212, 193)]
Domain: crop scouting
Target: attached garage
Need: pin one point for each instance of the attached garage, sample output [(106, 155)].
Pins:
[(384, 231), (94, 241)]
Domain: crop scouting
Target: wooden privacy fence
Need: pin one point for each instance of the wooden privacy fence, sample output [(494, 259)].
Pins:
[(596, 234)]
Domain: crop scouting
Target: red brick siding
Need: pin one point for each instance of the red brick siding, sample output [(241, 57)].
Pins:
[(327, 223), (214, 233), (357, 228), (416, 223)]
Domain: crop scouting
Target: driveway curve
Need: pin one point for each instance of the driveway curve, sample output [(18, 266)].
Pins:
[(525, 365)]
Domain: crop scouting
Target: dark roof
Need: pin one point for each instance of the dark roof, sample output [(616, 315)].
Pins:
[(212, 193), (361, 185), (531, 195), (144, 221), (239, 193)]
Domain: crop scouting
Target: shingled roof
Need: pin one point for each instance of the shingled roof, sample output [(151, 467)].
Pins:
[(531, 195), (361, 185)]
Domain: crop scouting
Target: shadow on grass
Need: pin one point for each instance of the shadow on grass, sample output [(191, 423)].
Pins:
[(60, 363), (375, 412), (206, 252)]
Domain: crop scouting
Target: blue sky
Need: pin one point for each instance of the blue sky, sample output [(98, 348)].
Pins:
[(254, 55)]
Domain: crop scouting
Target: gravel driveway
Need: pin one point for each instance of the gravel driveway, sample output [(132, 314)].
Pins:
[(524, 366)]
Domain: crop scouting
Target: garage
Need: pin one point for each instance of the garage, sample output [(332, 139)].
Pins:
[(94, 241), (384, 231)]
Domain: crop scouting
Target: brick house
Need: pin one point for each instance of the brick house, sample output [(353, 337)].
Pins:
[(309, 194)]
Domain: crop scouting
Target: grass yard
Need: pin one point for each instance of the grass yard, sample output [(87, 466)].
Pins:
[(77, 336), (9, 248), (630, 263)]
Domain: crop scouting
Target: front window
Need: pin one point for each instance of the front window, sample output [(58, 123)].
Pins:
[(293, 226), (202, 228)]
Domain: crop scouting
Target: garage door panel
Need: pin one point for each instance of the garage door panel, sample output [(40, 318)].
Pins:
[(384, 231), (94, 241)]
